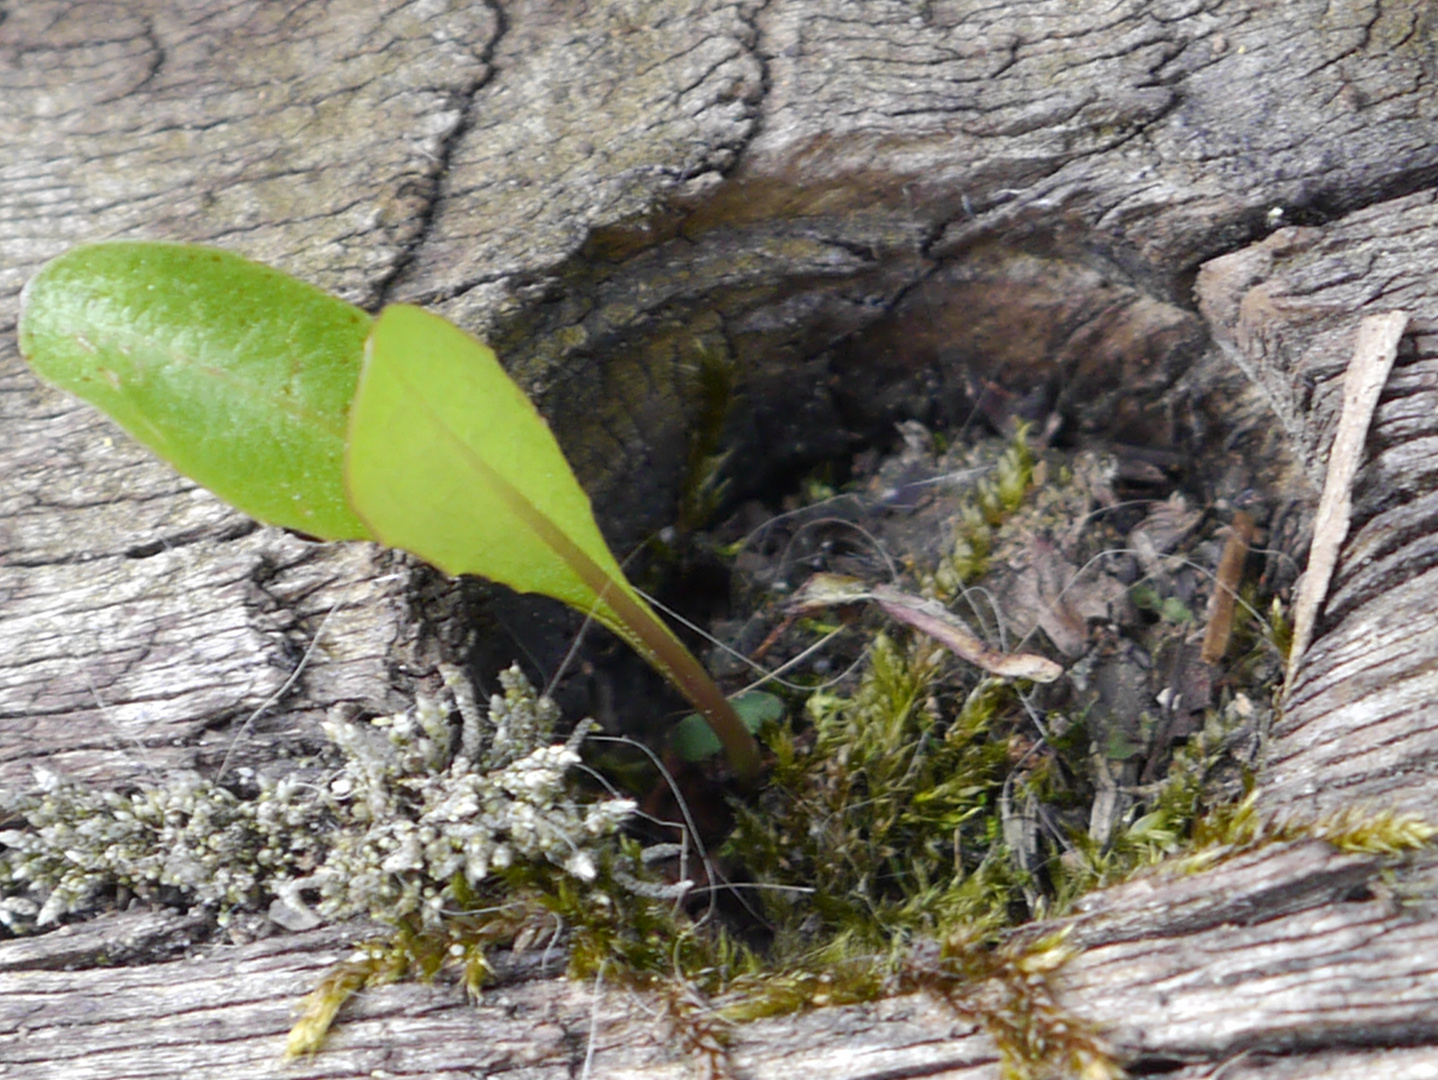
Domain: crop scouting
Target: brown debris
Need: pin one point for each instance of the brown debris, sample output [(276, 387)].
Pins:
[(1225, 588), (927, 616)]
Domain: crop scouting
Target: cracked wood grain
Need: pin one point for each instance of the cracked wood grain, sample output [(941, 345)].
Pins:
[(867, 205), (239, 1002)]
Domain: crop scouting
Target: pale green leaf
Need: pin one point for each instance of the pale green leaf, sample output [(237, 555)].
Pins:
[(450, 460), (237, 374), (694, 740)]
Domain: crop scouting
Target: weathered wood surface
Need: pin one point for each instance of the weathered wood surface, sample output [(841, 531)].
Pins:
[(150, 1019), (869, 207), (1360, 719), (1286, 954)]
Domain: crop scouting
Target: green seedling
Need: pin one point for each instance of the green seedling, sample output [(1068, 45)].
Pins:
[(304, 412), (693, 740)]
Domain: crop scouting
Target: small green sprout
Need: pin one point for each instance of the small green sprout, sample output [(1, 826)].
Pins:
[(693, 740), (305, 412)]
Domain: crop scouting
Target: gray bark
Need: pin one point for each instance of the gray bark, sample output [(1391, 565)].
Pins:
[(868, 206), (1358, 724)]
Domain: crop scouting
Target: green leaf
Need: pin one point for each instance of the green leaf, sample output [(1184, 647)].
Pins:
[(693, 740), (237, 374), (449, 459)]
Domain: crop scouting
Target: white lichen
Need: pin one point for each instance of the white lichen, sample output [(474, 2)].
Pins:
[(416, 808)]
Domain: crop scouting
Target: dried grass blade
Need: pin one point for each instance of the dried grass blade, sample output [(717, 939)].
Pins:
[(927, 616)]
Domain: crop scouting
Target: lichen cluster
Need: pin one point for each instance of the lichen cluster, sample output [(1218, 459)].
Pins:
[(188, 837), (421, 817), (415, 815)]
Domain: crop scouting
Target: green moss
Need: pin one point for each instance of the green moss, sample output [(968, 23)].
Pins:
[(883, 806), (973, 541), (1233, 828), (703, 489), (1013, 475), (994, 499)]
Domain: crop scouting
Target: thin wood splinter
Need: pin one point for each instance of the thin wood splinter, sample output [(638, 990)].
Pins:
[(1374, 349)]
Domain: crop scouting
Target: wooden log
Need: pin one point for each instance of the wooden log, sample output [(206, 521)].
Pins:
[(869, 208)]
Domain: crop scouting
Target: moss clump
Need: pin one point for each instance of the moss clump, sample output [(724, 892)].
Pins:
[(880, 846), (994, 499), (924, 804), (1237, 827), (883, 810)]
